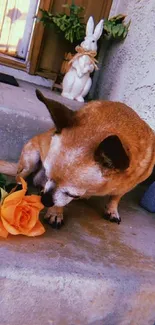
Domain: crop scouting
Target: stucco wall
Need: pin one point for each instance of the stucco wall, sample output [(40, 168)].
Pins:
[(128, 70)]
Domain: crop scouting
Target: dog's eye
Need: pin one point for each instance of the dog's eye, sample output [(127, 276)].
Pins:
[(71, 195), (93, 41)]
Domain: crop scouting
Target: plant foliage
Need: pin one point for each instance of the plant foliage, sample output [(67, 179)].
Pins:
[(6, 184), (71, 25), (115, 27), (3, 180)]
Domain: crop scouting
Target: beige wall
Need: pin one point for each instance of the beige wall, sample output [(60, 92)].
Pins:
[(128, 70)]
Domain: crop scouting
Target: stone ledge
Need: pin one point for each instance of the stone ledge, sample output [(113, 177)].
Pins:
[(16, 129), (23, 116)]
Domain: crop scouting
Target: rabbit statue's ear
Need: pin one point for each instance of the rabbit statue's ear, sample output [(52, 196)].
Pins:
[(90, 26), (98, 29)]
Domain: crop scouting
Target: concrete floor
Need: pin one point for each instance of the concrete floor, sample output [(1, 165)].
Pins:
[(91, 272)]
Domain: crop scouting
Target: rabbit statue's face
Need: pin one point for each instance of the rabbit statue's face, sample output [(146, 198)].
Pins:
[(89, 43), (92, 36)]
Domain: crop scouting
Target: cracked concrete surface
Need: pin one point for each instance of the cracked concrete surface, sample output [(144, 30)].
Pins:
[(91, 272)]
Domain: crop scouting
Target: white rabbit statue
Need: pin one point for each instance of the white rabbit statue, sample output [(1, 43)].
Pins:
[(77, 81)]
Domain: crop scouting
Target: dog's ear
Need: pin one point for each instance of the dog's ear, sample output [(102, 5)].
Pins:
[(111, 153), (61, 115)]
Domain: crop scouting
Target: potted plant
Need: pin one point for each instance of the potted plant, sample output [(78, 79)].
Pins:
[(71, 25), (115, 28)]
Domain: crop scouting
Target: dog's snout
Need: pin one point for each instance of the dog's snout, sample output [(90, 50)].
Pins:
[(47, 199)]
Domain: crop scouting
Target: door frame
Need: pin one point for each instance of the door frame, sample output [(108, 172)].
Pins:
[(30, 64), (38, 34)]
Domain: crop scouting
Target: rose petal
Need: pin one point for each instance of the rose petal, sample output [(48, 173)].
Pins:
[(11, 219), (15, 227), (3, 231), (14, 198), (37, 230), (23, 183), (19, 213), (17, 216), (27, 226), (35, 201), (8, 212), (34, 215), (11, 229)]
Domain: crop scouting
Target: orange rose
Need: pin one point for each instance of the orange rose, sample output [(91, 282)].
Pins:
[(20, 213)]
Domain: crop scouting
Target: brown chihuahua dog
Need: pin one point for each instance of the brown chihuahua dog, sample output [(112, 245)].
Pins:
[(103, 149)]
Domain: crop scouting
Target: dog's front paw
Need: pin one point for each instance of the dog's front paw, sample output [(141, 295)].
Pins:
[(112, 215), (54, 216)]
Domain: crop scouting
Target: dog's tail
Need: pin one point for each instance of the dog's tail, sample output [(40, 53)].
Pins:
[(8, 168)]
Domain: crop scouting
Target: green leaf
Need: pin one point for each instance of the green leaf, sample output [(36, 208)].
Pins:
[(3, 180), (108, 28), (115, 30), (3, 193), (71, 25), (121, 30)]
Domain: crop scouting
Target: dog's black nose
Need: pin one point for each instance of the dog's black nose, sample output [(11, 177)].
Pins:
[(47, 200)]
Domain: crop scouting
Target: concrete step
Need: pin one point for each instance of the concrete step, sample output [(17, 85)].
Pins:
[(16, 129), (22, 116)]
